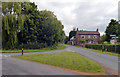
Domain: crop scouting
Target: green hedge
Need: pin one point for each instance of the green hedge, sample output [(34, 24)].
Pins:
[(31, 46), (110, 48)]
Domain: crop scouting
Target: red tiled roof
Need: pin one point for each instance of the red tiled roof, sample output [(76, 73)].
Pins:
[(88, 32)]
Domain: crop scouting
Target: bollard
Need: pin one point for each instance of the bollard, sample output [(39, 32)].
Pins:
[(22, 51)]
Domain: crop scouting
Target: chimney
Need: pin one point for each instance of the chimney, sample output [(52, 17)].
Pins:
[(77, 29), (97, 30)]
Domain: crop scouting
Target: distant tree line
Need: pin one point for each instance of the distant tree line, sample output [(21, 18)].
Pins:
[(25, 26)]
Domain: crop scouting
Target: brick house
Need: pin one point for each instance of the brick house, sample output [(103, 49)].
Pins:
[(86, 36)]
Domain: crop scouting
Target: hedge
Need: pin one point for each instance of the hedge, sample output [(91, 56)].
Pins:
[(110, 48)]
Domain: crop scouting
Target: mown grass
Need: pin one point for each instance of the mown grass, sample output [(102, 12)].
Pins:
[(68, 60), (59, 47), (100, 51)]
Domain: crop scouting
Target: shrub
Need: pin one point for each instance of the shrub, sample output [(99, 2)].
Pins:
[(110, 48), (32, 46)]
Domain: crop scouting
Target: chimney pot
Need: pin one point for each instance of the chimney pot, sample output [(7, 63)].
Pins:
[(97, 30), (77, 29)]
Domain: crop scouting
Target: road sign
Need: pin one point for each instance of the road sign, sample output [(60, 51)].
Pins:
[(115, 37), (112, 41), (115, 40), (112, 35)]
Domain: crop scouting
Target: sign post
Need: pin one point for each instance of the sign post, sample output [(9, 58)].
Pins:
[(103, 47), (114, 36)]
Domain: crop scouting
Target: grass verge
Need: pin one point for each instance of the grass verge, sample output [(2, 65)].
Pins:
[(59, 47), (67, 60), (100, 51)]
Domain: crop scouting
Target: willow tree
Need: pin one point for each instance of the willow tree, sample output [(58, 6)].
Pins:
[(12, 23)]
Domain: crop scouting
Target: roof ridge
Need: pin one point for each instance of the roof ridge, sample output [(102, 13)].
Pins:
[(88, 32), (95, 31)]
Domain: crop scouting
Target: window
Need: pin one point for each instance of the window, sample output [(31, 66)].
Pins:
[(91, 41), (94, 36), (88, 36), (82, 36)]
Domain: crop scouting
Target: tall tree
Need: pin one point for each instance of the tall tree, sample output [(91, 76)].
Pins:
[(72, 33), (24, 24), (52, 29), (12, 22), (112, 29)]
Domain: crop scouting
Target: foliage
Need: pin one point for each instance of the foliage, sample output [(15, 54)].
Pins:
[(66, 39), (59, 47), (100, 51), (112, 29), (110, 48), (12, 23), (82, 41), (72, 33), (25, 26), (103, 38)]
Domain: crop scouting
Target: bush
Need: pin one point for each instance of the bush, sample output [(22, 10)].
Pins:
[(110, 48), (32, 46)]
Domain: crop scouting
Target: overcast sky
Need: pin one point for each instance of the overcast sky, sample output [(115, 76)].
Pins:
[(84, 14)]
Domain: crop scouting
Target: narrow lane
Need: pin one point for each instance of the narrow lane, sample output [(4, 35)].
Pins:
[(108, 60)]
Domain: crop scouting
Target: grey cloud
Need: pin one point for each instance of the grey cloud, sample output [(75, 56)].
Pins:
[(87, 15), (97, 19)]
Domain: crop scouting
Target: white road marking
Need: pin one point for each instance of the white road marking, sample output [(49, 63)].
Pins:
[(6, 55)]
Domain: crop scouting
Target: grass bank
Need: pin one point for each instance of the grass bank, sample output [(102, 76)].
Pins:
[(59, 47), (100, 51), (67, 60)]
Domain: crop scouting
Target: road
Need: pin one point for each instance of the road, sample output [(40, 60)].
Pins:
[(111, 62), (12, 66)]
